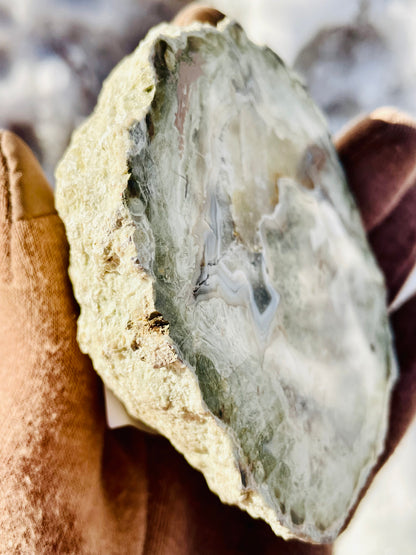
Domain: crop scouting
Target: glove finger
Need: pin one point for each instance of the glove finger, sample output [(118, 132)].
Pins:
[(379, 157)]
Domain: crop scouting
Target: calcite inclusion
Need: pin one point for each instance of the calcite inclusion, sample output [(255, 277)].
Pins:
[(228, 295)]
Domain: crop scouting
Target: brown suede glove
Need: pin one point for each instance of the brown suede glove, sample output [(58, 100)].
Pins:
[(70, 485)]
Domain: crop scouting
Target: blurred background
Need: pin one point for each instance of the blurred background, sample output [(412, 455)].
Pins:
[(353, 55)]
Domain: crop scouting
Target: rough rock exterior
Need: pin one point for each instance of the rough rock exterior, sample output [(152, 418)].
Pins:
[(228, 295)]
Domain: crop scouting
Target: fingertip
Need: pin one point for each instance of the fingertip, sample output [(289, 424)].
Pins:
[(392, 115), (198, 13), (378, 153), (30, 195)]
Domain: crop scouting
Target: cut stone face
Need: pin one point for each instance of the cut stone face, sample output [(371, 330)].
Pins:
[(228, 295)]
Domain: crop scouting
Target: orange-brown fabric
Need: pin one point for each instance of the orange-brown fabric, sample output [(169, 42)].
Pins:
[(54, 495), (30, 194)]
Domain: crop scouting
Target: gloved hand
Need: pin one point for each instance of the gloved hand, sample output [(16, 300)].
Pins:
[(71, 485)]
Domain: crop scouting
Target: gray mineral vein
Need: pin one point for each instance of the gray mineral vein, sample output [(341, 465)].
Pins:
[(262, 270)]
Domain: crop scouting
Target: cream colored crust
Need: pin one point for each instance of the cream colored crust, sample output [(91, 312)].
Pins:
[(155, 386)]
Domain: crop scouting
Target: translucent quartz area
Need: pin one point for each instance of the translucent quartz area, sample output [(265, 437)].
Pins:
[(262, 271)]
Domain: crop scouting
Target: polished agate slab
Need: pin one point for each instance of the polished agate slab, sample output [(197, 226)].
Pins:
[(228, 295)]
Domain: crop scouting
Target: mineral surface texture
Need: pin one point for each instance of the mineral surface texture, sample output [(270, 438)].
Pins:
[(228, 295)]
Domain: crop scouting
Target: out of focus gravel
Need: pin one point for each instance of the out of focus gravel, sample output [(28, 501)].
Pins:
[(54, 55)]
